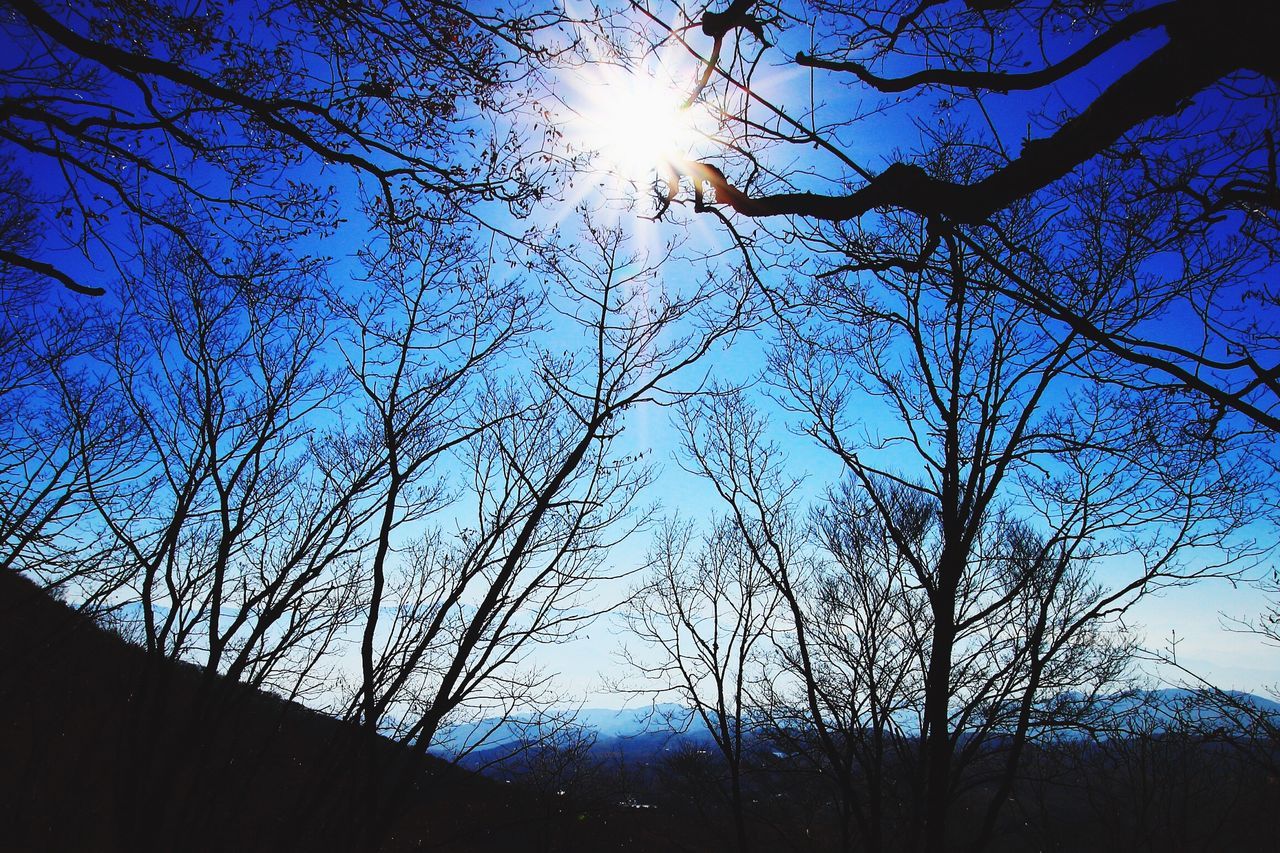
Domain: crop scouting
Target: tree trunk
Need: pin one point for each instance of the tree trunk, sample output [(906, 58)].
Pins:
[(937, 744)]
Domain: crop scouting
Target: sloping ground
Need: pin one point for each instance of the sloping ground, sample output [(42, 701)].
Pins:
[(105, 748)]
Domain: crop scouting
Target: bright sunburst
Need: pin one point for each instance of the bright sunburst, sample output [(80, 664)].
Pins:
[(631, 123)]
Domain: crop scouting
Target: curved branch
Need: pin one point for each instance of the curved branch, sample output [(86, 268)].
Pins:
[(48, 271), (717, 25), (1159, 85), (1001, 81)]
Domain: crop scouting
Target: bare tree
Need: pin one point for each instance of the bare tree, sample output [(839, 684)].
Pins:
[(57, 426), (220, 376), (62, 435), (1006, 506), (549, 491), (526, 465), (425, 341), (707, 615), (259, 121)]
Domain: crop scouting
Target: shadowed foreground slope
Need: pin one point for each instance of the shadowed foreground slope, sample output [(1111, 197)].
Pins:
[(106, 748)]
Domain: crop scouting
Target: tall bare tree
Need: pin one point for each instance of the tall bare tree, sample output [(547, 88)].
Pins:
[(63, 437), (707, 612), (220, 376), (1002, 510), (425, 342), (549, 490)]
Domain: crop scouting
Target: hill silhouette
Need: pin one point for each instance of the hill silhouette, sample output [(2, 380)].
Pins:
[(109, 748)]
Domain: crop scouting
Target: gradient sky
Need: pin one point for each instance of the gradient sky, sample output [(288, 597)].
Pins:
[(1227, 659), (1197, 614)]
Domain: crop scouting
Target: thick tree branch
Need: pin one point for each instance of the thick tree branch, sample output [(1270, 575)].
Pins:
[(1001, 81), (48, 271), (717, 25), (1159, 85)]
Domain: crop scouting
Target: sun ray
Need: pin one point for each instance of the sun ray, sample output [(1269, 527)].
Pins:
[(634, 123), (628, 121)]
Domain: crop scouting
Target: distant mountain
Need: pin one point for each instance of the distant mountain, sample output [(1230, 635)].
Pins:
[(1231, 710), (1147, 710), (662, 721)]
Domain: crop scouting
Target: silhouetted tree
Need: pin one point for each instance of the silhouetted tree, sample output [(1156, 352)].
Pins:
[(1165, 133), (1003, 507), (64, 440), (221, 376), (549, 489), (707, 610)]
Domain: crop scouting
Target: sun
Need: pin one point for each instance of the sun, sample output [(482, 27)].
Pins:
[(630, 123)]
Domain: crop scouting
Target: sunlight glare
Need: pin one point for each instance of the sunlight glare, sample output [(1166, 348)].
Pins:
[(632, 124)]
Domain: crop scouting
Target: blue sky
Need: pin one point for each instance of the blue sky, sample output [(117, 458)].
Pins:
[(1228, 659), (1196, 614)]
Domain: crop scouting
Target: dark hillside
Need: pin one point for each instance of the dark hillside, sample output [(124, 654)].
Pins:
[(106, 748)]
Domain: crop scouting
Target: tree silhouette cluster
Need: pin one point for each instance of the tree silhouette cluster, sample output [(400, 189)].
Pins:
[(285, 396)]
